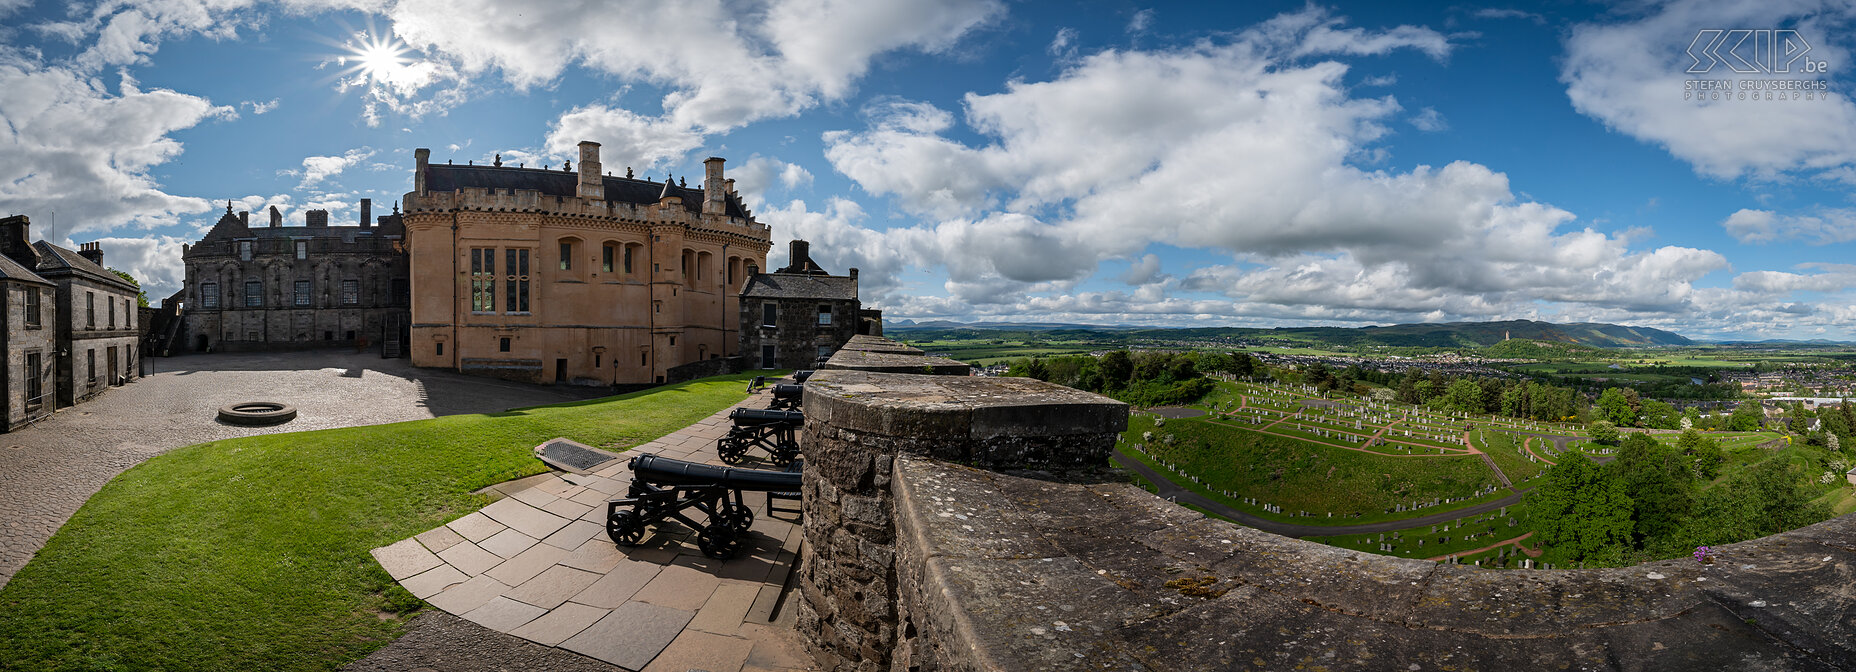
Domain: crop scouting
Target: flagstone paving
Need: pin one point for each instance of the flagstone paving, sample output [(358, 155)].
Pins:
[(537, 565)]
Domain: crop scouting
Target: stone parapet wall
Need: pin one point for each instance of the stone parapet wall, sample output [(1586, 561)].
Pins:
[(857, 423), (954, 524), (870, 361)]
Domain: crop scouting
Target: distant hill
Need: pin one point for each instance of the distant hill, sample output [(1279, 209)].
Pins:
[(1445, 335)]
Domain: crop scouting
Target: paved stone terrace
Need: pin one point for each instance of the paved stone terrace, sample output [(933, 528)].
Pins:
[(538, 565), (49, 469)]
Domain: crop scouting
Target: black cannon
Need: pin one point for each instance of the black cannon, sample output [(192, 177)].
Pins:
[(787, 397), (776, 432), (663, 488), (801, 375)]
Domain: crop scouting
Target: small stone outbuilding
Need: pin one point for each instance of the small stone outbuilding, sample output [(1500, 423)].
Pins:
[(800, 315)]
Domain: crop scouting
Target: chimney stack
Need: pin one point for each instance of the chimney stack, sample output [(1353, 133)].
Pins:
[(318, 219), (422, 156), (92, 251), (16, 241), (714, 188), (591, 184), (277, 218), (244, 218), (797, 254), (367, 212), (854, 292)]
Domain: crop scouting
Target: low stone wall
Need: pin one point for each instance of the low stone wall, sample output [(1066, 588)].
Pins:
[(953, 523), (715, 366), (895, 362)]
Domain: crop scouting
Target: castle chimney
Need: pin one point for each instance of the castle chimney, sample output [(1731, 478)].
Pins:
[(92, 251), (715, 199), (318, 219), (367, 212), (854, 291), (591, 184), (277, 218), (422, 156), (244, 218), (16, 243), (797, 254)]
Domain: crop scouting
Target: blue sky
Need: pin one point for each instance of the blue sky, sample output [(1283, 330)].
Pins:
[(1189, 164)]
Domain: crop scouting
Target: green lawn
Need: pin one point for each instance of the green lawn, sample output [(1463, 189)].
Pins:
[(252, 553)]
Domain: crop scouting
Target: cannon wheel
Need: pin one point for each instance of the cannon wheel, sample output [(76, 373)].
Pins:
[(718, 541), (625, 528), (735, 516), (731, 449)]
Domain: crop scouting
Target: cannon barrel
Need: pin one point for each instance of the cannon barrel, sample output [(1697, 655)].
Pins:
[(801, 375), (784, 391), (659, 470), (755, 417)]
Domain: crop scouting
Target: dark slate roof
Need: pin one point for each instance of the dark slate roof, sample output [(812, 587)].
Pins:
[(55, 260), (12, 270), (794, 286), (447, 177)]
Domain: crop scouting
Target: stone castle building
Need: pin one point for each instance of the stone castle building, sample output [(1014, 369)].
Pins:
[(800, 315), (576, 276), (285, 287), (70, 325)]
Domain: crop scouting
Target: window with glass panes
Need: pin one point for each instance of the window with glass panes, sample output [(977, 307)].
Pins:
[(351, 292), (302, 292), (209, 295), (254, 294), (515, 270), (483, 279), (33, 299)]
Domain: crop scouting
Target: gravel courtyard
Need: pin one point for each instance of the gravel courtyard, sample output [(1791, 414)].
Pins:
[(49, 469)]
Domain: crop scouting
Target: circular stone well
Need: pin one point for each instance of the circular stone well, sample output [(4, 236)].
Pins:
[(257, 413)]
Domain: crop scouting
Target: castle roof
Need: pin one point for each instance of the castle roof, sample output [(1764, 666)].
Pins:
[(443, 177), (800, 286), (12, 270), (55, 261)]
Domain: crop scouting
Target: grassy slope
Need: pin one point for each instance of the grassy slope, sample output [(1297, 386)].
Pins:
[(1299, 476), (252, 553)]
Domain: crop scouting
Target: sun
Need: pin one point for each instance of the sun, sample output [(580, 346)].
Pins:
[(377, 59)]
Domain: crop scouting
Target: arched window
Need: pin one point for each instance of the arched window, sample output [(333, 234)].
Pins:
[(705, 270)]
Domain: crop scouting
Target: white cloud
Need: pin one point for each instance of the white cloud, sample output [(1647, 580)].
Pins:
[(1631, 74), (1827, 226), (74, 147), (154, 261), (1063, 45), (1429, 121), (759, 174), (259, 107), (625, 138), (1493, 13), (727, 64), (1141, 21), (1243, 147), (319, 168)]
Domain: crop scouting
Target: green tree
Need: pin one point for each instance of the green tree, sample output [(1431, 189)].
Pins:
[(1613, 406), (1747, 417), (1603, 432), (1116, 368), (1704, 453), (1581, 510), (1464, 396), (1766, 498), (141, 296), (1658, 415), (1658, 480)]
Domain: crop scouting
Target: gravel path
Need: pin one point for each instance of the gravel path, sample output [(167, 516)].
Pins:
[(49, 469)]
